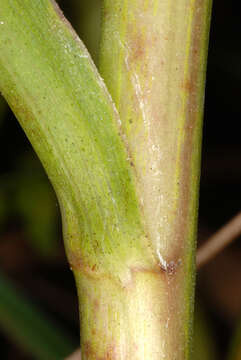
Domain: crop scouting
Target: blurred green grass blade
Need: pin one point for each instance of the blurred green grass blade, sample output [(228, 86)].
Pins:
[(235, 347), (203, 340), (3, 109), (3, 104), (36, 203), (29, 327)]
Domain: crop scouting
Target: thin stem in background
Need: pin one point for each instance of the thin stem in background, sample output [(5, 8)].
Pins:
[(219, 241), (75, 356)]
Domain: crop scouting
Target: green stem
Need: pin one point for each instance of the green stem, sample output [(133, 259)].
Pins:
[(153, 60), (127, 185)]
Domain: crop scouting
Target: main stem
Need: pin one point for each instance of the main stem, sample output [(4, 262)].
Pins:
[(153, 60), (126, 178)]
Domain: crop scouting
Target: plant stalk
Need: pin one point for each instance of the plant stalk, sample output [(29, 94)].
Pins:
[(153, 60), (127, 180)]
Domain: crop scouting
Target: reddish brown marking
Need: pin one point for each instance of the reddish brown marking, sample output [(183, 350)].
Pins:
[(137, 48), (77, 263), (189, 86), (110, 354), (87, 350), (96, 304), (192, 86), (171, 269), (90, 353)]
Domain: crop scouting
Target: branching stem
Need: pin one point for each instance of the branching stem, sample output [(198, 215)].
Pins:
[(126, 171)]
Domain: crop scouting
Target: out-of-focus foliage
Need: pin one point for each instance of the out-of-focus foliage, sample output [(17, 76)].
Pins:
[(27, 194), (29, 327), (204, 342), (235, 348), (3, 109), (37, 204)]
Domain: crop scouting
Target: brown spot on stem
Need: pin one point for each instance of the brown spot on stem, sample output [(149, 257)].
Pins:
[(137, 48), (93, 332), (172, 266), (110, 354), (87, 350), (91, 354), (93, 267), (79, 264), (96, 304), (188, 86)]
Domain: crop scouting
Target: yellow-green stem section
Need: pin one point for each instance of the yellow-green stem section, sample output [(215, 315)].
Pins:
[(128, 322), (153, 60)]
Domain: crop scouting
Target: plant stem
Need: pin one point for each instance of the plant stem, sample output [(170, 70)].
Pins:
[(63, 106), (127, 185), (52, 86), (217, 242), (153, 60)]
